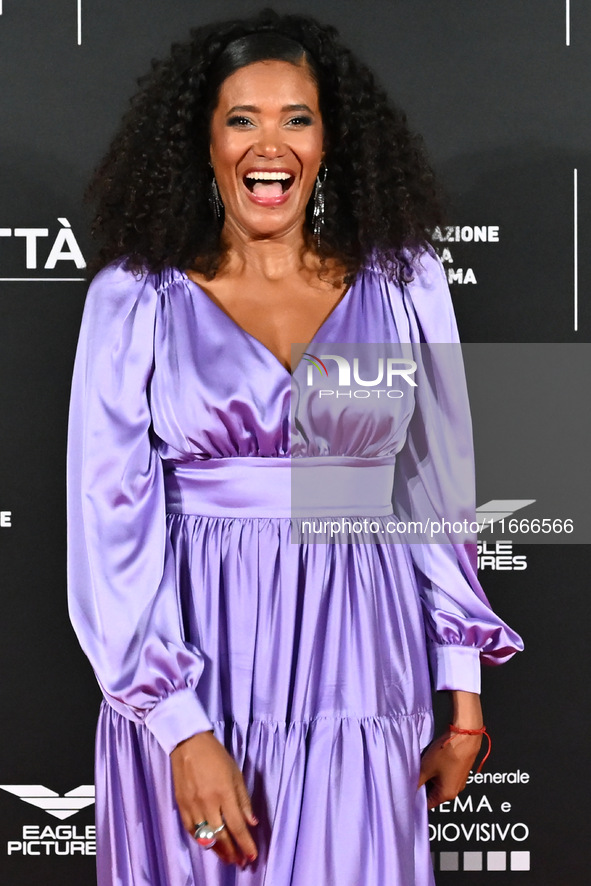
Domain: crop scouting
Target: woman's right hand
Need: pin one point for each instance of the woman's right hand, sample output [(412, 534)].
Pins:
[(209, 784)]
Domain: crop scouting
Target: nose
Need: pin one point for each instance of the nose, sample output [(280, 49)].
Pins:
[(269, 144)]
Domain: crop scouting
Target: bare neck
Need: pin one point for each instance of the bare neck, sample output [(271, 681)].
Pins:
[(270, 259)]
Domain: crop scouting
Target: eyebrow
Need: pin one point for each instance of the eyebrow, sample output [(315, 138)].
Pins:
[(255, 110)]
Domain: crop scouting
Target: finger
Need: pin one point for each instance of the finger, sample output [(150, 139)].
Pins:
[(223, 847), (226, 849), (435, 795), (220, 850), (236, 825), (244, 800), (189, 820), (463, 783), (427, 772), (433, 801)]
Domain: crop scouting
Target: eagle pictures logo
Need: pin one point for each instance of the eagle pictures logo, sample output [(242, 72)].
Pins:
[(56, 839)]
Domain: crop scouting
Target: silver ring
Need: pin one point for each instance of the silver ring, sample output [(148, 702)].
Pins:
[(206, 835)]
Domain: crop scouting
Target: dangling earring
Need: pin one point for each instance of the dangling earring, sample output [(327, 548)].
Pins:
[(318, 212), (215, 200)]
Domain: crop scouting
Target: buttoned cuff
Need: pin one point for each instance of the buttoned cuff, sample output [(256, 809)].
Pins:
[(177, 717), (455, 667)]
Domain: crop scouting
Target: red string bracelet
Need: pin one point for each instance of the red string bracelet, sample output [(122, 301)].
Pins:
[(481, 731)]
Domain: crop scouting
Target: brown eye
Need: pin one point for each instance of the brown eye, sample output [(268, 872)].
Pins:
[(238, 121), (300, 121)]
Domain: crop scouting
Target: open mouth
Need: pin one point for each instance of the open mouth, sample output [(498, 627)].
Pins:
[(268, 184)]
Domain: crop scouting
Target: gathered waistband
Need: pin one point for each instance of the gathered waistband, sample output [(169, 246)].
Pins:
[(253, 486)]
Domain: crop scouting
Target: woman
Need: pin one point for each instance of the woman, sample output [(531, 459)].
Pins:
[(267, 699)]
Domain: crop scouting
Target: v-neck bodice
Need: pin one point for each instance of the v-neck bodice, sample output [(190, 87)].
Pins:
[(201, 293), (214, 391), (217, 391)]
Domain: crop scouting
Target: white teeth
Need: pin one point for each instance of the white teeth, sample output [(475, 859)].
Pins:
[(269, 176)]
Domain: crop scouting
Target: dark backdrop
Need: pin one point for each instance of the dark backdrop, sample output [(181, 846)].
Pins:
[(503, 103)]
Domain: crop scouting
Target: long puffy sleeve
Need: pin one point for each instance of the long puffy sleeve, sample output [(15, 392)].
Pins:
[(122, 590), (434, 481)]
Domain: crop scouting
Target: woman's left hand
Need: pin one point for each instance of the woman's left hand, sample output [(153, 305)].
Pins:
[(445, 769)]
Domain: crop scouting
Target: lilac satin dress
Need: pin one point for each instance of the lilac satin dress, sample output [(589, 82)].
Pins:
[(310, 661)]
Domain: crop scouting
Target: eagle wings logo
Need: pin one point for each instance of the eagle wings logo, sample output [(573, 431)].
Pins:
[(61, 807)]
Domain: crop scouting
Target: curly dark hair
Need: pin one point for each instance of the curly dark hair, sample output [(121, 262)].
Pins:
[(152, 189)]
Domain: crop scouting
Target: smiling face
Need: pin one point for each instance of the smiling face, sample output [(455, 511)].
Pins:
[(266, 147)]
